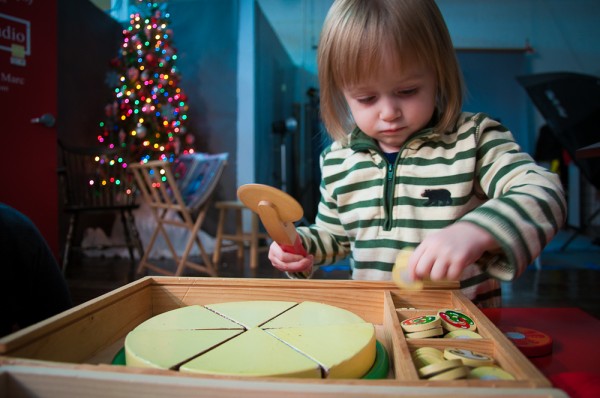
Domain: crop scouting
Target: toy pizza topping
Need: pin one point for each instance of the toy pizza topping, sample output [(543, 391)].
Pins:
[(420, 323), (456, 320), (468, 357)]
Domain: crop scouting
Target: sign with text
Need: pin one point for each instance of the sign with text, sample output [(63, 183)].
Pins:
[(15, 37)]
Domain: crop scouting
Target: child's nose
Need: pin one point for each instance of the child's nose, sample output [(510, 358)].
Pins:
[(389, 110)]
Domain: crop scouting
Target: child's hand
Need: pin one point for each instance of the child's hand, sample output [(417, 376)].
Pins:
[(444, 254), (289, 262)]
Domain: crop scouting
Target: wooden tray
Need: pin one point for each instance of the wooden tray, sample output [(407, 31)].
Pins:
[(85, 339)]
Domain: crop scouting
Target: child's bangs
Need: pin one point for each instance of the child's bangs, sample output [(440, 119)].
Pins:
[(363, 55)]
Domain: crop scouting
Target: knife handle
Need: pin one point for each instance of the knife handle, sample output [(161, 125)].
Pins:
[(296, 248)]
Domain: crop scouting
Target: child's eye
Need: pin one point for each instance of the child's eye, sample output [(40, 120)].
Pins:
[(408, 92), (365, 100)]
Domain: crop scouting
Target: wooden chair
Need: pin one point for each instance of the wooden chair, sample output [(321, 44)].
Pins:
[(90, 185), (188, 196), (239, 237)]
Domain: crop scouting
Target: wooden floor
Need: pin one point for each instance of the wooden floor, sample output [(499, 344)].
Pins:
[(569, 278)]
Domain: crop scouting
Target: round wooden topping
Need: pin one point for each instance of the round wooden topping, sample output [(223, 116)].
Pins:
[(490, 373), (439, 367), (428, 351), (425, 333), (453, 374), (424, 356), (462, 334), (400, 273), (426, 359), (456, 320), (532, 343), (468, 357), (420, 323)]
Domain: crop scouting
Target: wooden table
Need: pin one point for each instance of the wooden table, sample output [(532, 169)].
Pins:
[(574, 364)]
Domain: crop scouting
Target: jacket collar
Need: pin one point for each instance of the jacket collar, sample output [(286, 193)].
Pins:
[(360, 142)]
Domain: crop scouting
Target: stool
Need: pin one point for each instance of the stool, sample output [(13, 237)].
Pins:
[(240, 237)]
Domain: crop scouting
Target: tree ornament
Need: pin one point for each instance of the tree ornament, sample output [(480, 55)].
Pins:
[(133, 74), (151, 60), (177, 146), (189, 139), (141, 131)]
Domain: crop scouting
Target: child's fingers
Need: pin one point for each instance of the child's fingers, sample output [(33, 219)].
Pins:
[(422, 263), (288, 262), (439, 270), (294, 266)]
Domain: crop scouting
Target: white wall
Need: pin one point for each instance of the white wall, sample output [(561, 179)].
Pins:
[(563, 33), (245, 97)]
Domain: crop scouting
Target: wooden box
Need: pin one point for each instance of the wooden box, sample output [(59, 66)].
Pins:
[(80, 344)]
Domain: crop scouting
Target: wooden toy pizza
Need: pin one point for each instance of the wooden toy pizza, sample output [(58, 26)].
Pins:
[(259, 338)]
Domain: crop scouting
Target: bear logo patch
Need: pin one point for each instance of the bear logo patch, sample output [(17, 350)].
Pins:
[(437, 197)]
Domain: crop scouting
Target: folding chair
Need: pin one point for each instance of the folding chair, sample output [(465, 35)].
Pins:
[(188, 195)]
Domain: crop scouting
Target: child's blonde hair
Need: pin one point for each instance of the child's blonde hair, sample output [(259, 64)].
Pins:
[(357, 34)]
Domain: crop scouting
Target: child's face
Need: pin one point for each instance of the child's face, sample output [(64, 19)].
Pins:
[(393, 104)]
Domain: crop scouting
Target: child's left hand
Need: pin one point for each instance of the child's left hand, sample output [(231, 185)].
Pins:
[(444, 254), (289, 262)]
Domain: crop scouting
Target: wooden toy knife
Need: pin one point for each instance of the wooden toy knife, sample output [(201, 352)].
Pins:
[(278, 211)]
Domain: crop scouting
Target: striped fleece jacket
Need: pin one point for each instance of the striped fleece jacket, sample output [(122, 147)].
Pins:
[(370, 209)]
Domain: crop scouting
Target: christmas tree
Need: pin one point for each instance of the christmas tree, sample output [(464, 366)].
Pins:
[(147, 118)]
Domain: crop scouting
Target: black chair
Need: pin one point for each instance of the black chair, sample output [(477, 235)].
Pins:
[(570, 104), (90, 185)]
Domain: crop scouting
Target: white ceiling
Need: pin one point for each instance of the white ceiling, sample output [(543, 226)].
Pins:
[(297, 23)]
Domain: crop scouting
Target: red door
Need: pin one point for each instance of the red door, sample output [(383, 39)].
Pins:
[(28, 90)]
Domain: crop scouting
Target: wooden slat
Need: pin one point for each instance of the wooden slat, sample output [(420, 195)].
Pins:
[(30, 381), (76, 334)]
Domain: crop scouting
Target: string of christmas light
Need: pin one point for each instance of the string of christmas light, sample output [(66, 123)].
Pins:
[(147, 118)]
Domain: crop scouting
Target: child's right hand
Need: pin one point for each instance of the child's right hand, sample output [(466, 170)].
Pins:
[(289, 262), (444, 254)]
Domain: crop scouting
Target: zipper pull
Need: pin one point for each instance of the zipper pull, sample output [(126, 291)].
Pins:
[(390, 172)]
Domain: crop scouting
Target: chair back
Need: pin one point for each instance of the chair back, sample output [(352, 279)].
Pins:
[(184, 185), (90, 182)]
